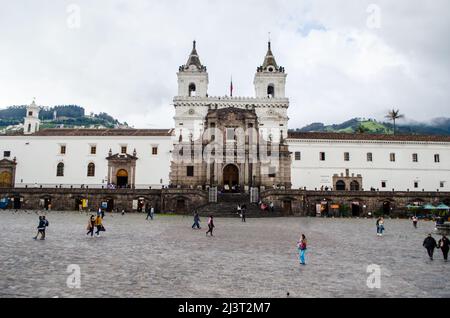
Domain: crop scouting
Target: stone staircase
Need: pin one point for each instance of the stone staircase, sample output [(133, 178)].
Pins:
[(227, 203)]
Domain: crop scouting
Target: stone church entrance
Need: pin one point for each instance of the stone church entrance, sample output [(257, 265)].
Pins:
[(122, 178), (230, 177)]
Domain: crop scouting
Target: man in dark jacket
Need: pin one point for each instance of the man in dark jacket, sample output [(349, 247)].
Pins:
[(444, 245), (43, 223), (196, 221), (430, 244)]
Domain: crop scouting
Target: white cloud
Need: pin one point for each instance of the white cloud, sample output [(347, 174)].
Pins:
[(124, 57)]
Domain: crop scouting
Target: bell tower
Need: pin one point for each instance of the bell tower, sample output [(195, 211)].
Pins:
[(270, 79), (193, 77), (32, 121)]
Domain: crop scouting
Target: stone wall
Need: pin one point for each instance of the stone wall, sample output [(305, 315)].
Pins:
[(350, 203), (184, 201), (165, 200)]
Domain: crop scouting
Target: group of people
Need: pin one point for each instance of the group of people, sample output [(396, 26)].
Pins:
[(196, 224), (266, 207), (43, 224), (96, 222), (242, 211), (430, 244)]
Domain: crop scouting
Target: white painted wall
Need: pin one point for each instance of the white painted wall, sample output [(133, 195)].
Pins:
[(38, 156), (400, 175)]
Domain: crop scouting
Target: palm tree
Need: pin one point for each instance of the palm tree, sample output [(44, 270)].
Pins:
[(394, 115)]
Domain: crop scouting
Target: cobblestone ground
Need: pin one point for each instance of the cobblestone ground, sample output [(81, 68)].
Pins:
[(166, 258)]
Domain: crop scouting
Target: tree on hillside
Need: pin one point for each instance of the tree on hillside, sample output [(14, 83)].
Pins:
[(361, 129), (394, 115)]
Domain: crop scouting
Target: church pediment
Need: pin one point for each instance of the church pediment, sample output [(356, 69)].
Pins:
[(232, 114), (7, 163), (121, 157)]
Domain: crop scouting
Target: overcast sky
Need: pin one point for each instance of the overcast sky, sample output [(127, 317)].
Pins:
[(344, 58)]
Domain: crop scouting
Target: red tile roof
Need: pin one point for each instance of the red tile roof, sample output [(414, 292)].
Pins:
[(364, 137), (66, 132)]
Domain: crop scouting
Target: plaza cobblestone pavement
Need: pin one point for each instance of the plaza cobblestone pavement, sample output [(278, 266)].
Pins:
[(166, 258)]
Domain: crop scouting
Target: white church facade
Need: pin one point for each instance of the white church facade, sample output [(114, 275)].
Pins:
[(149, 158)]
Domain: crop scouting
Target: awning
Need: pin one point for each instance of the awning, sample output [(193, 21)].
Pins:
[(429, 207), (442, 207)]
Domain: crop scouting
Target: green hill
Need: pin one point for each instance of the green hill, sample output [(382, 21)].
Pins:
[(68, 116), (438, 126)]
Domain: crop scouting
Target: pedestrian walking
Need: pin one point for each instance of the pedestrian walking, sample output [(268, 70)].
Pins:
[(272, 208), (415, 220), (40, 228), (430, 244), (196, 221), (99, 224), (46, 224), (211, 225), (243, 212), (150, 212), (380, 226), (302, 247), (239, 209), (444, 245), (91, 226)]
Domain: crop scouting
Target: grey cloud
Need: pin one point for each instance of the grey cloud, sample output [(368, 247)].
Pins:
[(124, 58)]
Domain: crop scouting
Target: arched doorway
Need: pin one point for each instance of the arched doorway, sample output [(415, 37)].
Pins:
[(356, 209), (5, 179), (78, 204), (230, 177), (122, 178), (340, 185), (17, 202), (46, 203), (181, 205), (287, 207), (387, 208)]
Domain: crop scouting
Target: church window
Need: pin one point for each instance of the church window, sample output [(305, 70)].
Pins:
[(93, 150), (416, 184), (383, 184), (392, 157), (272, 172), (7, 154), (340, 185), (63, 149), (192, 90), (354, 186), (271, 91), (91, 170), (230, 134), (190, 171), (154, 150), (60, 170), (322, 156), (369, 157), (441, 184), (437, 158), (346, 156), (123, 149), (29, 128), (298, 156), (30, 113), (415, 157)]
